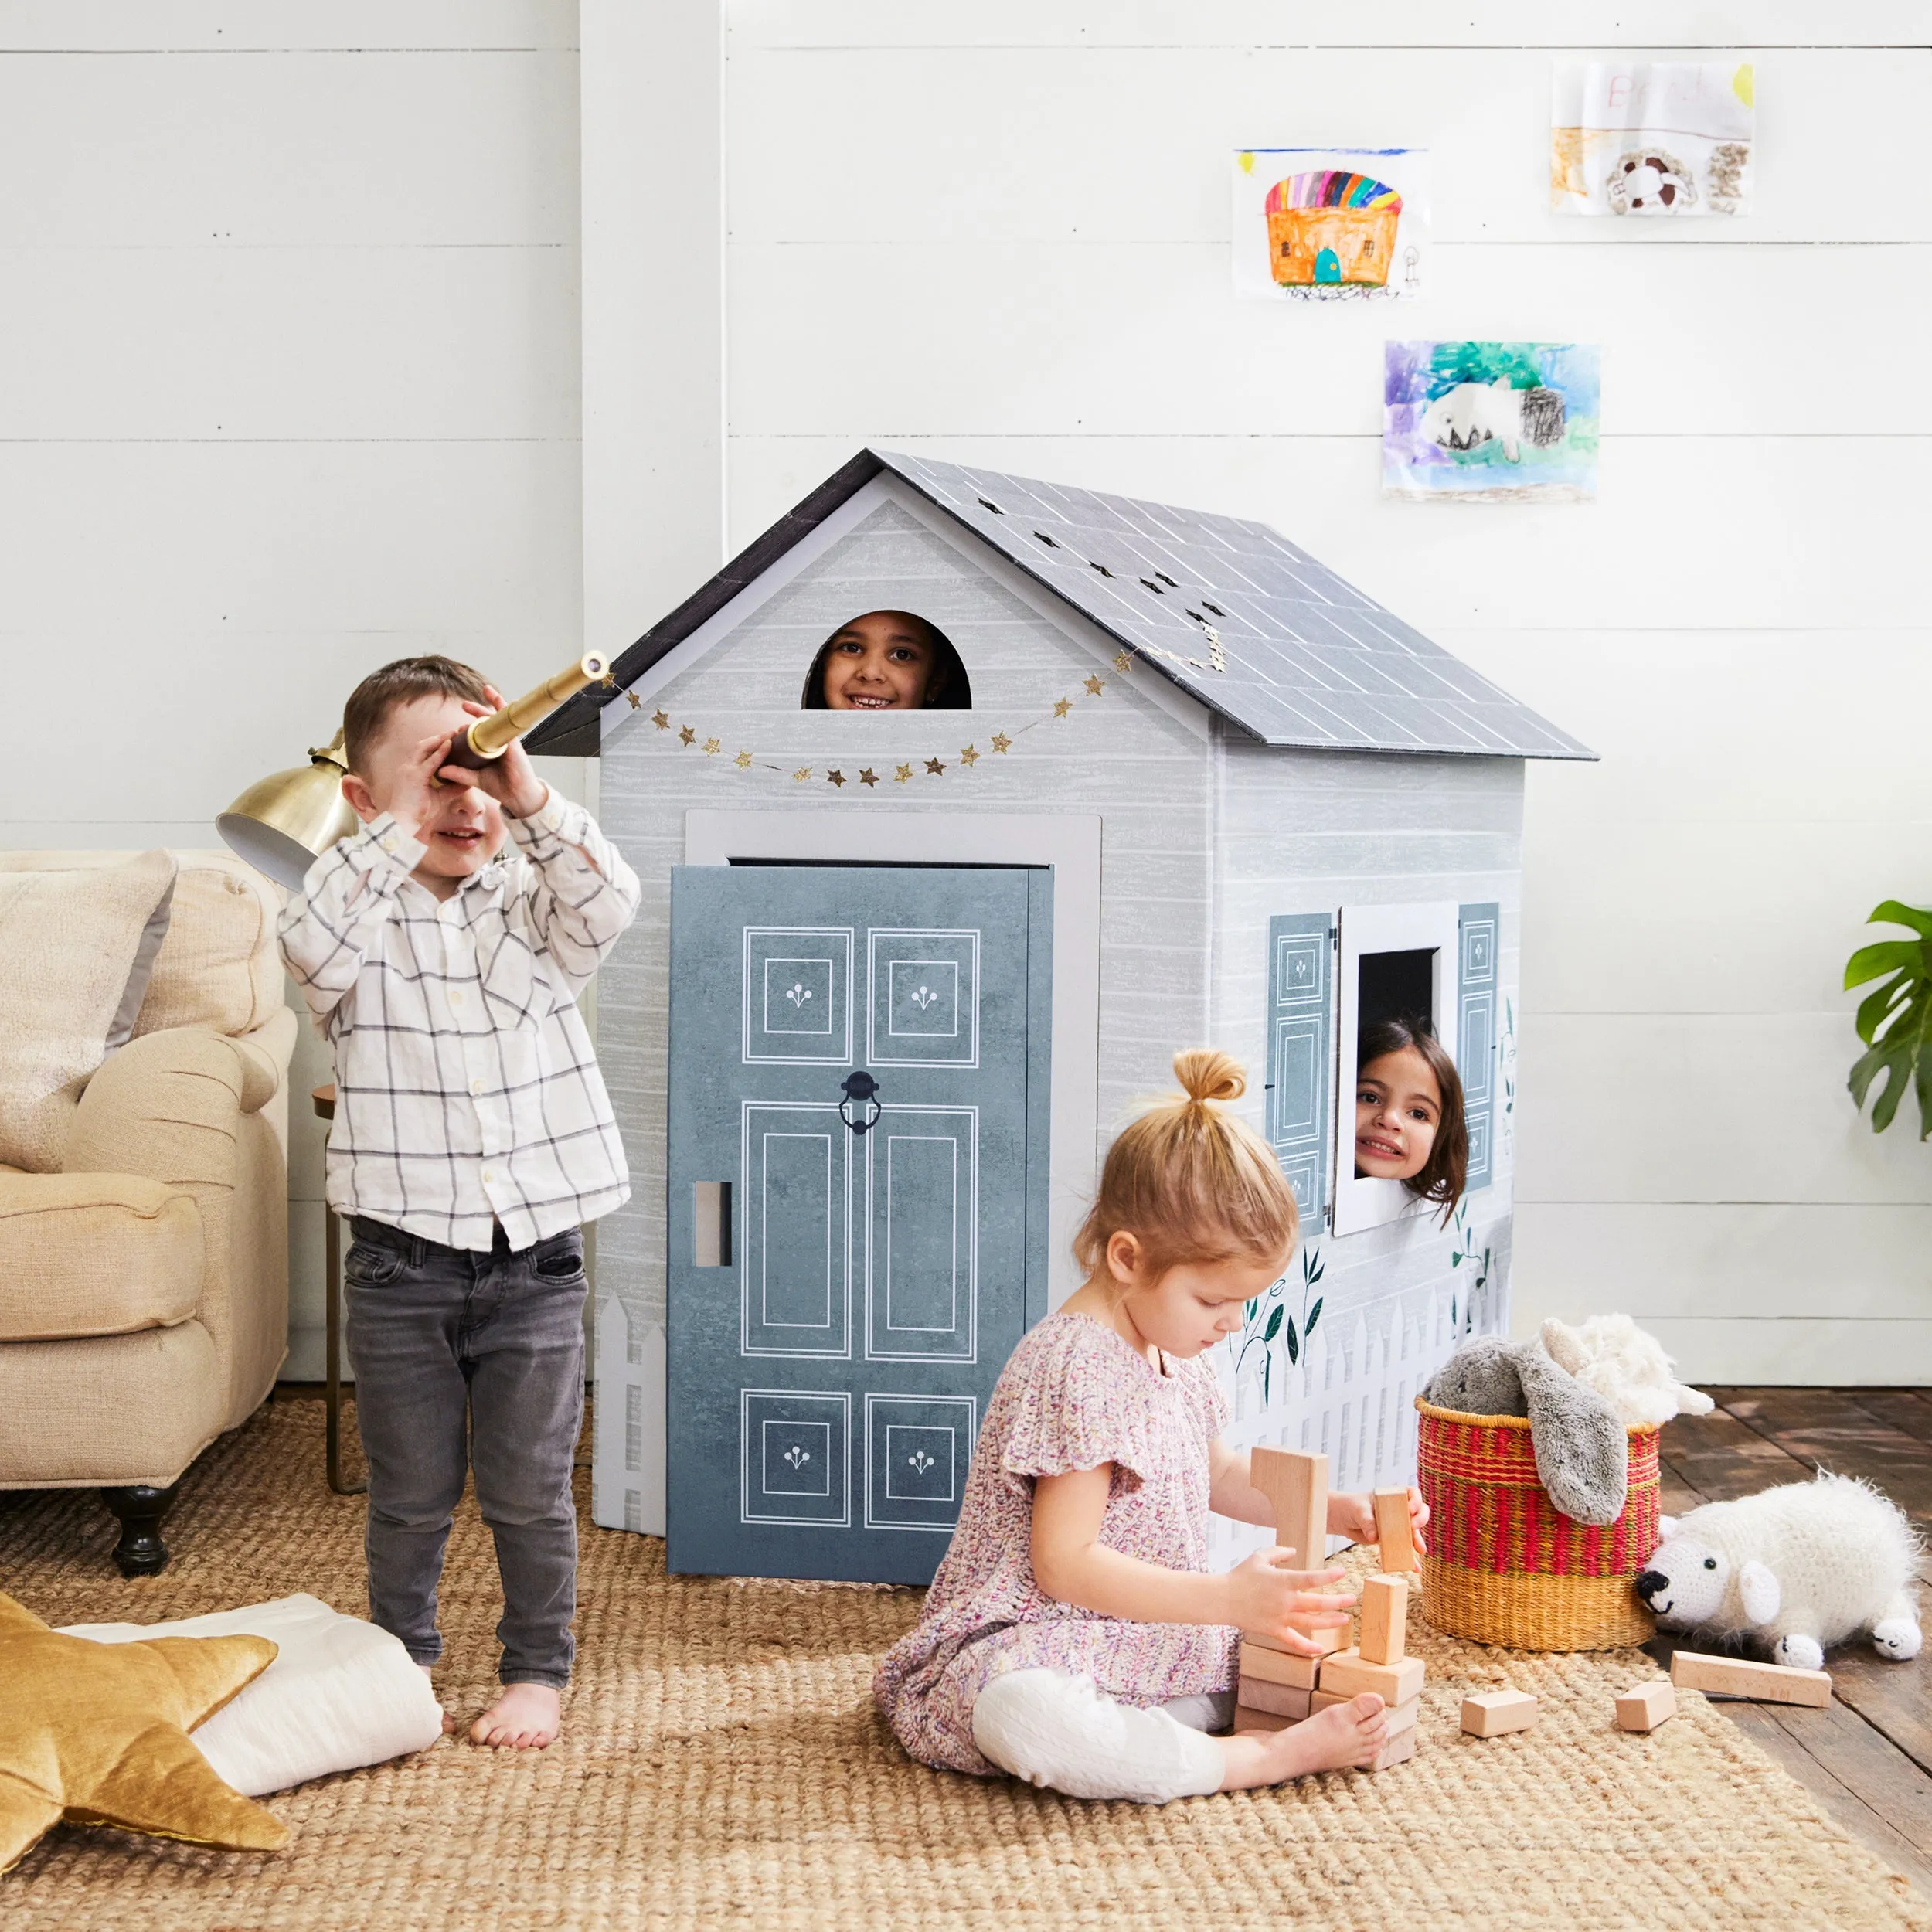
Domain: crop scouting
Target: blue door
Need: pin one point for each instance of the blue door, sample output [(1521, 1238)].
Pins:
[(1328, 267), (857, 1212)]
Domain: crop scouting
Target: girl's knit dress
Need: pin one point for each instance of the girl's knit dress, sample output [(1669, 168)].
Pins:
[(1074, 1395)]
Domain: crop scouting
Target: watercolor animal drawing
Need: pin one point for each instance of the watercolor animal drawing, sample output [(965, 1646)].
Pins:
[(1473, 413), (1490, 422)]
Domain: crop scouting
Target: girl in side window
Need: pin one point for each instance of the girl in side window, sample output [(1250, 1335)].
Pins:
[(1408, 1122), (887, 661)]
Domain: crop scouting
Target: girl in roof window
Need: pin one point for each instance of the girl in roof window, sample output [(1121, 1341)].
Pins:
[(887, 661)]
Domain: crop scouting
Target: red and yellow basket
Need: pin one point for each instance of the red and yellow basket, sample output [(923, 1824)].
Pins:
[(1504, 1564)]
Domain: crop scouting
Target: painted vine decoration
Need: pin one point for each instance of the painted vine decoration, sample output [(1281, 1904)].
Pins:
[(689, 737), (1267, 1316)]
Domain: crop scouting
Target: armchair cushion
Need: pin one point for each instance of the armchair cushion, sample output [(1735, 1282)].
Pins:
[(91, 1254), (69, 942)]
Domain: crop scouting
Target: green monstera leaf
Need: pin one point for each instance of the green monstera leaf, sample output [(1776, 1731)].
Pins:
[(1895, 1022)]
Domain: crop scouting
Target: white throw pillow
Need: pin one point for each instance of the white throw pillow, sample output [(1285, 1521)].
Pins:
[(70, 943), (340, 1694)]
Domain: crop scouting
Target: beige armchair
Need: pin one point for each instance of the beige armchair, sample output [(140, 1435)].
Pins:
[(144, 1288)]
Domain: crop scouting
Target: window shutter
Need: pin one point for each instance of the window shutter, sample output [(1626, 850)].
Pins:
[(1301, 1053), (1479, 928)]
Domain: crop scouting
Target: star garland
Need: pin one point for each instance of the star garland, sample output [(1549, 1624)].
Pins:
[(688, 738)]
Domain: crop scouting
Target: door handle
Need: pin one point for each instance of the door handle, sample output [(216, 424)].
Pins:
[(711, 1224), (859, 1089)]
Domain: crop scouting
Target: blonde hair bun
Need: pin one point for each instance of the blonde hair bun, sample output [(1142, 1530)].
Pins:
[(1206, 1074), (1190, 1181)]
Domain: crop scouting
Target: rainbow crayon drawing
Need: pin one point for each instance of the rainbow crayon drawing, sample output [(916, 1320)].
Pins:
[(1317, 225)]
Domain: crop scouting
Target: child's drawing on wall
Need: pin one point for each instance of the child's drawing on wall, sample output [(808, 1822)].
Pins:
[(1490, 422), (1330, 224), (887, 661), (1650, 137)]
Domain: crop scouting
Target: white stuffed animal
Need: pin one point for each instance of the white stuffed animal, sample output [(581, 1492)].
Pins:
[(1796, 1568), (1610, 1354)]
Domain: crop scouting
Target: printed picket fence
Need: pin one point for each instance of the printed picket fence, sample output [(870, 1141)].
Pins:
[(1352, 1394)]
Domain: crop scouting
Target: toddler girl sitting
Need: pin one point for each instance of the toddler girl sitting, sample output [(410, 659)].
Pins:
[(1073, 1635)]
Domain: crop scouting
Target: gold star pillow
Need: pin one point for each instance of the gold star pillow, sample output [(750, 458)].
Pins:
[(97, 1734)]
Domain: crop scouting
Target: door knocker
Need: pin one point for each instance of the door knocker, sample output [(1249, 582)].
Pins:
[(860, 1088)]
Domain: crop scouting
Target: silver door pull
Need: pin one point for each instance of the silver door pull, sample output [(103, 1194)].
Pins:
[(711, 1246)]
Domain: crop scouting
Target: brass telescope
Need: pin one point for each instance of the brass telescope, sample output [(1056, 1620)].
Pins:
[(489, 738), (283, 823)]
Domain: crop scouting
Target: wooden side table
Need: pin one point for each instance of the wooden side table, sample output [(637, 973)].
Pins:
[(324, 1098)]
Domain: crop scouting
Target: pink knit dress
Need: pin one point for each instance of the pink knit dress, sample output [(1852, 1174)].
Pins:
[(1074, 1395)]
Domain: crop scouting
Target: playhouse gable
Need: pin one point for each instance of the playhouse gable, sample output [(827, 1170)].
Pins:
[(1229, 610)]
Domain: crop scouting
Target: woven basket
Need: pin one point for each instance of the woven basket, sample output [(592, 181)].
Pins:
[(1504, 1564)]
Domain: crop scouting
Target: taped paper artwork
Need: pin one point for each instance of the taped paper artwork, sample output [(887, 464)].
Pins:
[(1330, 224), (1490, 422), (1651, 138)]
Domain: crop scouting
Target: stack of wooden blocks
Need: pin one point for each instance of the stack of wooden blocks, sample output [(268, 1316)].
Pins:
[(1279, 1687)]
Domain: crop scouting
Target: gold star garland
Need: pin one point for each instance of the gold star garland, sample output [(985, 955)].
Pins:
[(967, 757)]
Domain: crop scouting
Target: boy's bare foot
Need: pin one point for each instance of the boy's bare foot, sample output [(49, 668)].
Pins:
[(1343, 1735), (524, 1718), (449, 1722)]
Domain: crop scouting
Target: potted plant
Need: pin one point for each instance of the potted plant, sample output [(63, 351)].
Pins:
[(1895, 1021)]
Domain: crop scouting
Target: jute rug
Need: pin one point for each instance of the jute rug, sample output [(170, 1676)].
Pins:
[(722, 1763)]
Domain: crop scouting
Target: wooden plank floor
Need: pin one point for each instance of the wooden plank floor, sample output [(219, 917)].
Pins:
[(1867, 1759)]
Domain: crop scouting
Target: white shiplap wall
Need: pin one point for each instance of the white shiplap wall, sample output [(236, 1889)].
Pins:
[(291, 327), (999, 234), (291, 316)]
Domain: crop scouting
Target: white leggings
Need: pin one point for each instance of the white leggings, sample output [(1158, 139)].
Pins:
[(1057, 1730)]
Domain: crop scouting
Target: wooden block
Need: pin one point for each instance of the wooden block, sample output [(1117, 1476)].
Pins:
[(1738, 1677), (1284, 1700), (1247, 1718), (1348, 1671), (1331, 1636), (1397, 1750), (1279, 1667), (1384, 1619), (1493, 1714), (1643, 1706), (1296, 1485), (1393, 1532)]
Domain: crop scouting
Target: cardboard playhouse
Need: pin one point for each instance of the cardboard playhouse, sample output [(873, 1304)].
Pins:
[(898, 976)]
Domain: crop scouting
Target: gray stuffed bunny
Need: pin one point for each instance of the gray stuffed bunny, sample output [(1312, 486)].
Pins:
[(1583, 1456)]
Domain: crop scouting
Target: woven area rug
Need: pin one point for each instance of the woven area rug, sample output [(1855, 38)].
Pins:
[(721, 1762)]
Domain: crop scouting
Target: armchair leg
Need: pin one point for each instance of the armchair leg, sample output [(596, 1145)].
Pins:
[(140, 1552)]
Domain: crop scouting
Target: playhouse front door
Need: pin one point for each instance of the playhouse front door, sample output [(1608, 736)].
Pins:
[(857, 1210)]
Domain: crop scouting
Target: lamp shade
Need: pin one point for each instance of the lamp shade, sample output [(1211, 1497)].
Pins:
[(283, 824)]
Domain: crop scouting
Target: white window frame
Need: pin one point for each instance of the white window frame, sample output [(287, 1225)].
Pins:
[(1433, 926)]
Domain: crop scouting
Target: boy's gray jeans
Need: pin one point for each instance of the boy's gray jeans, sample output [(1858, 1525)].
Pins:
[(464, 1362)]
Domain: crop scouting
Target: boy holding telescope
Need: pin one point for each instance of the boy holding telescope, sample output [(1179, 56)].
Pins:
[(472, 1138)]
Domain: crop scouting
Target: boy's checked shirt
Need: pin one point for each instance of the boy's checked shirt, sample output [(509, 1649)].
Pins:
[(466, 1090)]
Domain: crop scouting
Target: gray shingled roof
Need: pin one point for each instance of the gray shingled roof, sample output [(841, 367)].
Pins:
[(1230, 611)]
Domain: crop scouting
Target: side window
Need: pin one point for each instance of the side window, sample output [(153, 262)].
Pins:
[(1394, 962), (1333, 979), (1479, 927), (1300, 1055)]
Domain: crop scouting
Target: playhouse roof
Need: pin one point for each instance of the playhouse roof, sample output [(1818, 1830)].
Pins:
[(1241, 618)]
